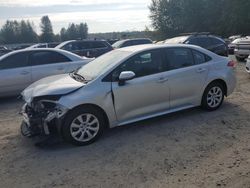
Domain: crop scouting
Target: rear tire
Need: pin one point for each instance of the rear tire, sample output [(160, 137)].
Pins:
[(83, 126), (213, 96), (240, 58)]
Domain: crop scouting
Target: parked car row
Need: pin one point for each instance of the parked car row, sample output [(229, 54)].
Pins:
[(78, 96), (204, 40), (4, 50), (240, 47), (124, 86)]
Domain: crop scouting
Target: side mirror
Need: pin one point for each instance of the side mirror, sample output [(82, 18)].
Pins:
[(124, 76)]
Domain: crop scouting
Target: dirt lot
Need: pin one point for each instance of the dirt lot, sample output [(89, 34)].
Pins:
[(192, 148)]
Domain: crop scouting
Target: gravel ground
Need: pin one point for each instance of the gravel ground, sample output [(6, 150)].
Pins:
[(192, 148)]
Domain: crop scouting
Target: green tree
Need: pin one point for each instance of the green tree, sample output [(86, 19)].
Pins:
[(18, 32), (83, 30), (221, 17), (47, 34)]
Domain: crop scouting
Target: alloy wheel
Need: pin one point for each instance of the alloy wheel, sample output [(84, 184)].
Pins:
[(84, 127)]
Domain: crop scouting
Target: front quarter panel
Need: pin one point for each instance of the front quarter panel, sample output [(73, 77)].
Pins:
[(94, 93)]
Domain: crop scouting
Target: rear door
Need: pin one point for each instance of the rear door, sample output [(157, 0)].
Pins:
[(15, 74), (187, 72), (47, 63)]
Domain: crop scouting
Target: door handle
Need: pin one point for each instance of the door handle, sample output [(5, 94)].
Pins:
[(200, 70), (24, 72), (162, 80)]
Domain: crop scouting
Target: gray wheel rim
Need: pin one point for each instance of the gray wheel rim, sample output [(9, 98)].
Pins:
[(84, 127), (214, 97)]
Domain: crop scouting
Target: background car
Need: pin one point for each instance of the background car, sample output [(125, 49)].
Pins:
[(234, 37), (19, 69), (87, 48), (131, 42), (204, 40), (45, 45), (4, 50), (124, 86), (242, 49)]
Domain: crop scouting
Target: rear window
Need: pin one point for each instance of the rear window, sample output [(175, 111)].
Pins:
[(215, 41), (98, 45), (176, 40), (204, 42)]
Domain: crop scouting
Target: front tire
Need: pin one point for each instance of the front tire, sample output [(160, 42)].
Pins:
[(83, 126), (213, 96)]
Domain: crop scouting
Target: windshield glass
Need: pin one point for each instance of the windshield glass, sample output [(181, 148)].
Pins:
[(176, 40), (117, 44), (102, 64)]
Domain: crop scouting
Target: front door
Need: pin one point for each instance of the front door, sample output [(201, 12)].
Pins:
[(146, 94)]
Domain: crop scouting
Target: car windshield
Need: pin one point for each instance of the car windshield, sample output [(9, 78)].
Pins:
[(176, 40), (117, 44), (102, 64)]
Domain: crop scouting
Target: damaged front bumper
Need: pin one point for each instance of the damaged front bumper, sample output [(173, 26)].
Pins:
[(41, 121)]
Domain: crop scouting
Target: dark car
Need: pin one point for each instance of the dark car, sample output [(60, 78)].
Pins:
[(131, 42), (87, 48), (4, 50), (204, 40)]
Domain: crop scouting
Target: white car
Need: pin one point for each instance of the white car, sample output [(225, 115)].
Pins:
[(21, 68), (124, 86)]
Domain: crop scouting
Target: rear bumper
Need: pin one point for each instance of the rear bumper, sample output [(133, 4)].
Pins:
[(242, 53)]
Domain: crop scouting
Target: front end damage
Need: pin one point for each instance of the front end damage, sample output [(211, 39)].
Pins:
[(42, 116)]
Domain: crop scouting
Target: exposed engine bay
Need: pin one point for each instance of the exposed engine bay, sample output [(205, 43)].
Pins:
[(42, 116)]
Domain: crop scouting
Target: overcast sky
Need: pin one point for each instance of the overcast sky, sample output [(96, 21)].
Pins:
[(100, 15)]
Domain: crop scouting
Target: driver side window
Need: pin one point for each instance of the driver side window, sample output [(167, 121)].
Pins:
[(143, 64)]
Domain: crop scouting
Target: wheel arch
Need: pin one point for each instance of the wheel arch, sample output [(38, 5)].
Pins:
[(87, 105), (221, 81)]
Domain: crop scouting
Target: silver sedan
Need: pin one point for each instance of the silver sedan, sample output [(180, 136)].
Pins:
[(20, 68), (125, 86)]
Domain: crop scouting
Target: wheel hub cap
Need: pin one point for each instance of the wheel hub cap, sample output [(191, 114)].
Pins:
[(84, 127)]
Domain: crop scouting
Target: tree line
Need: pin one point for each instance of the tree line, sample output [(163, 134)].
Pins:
[(14, 31), (222, 17)]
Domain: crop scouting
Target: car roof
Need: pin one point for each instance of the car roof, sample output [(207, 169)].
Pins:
[(72, 56), (144, 47)]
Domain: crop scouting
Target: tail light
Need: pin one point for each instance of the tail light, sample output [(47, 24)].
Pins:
[(232, 64)]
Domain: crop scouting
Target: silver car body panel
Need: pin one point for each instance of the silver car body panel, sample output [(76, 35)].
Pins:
[(153, 95), (14, 80)]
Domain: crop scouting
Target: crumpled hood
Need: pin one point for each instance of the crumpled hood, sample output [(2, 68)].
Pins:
[(49, 86)]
